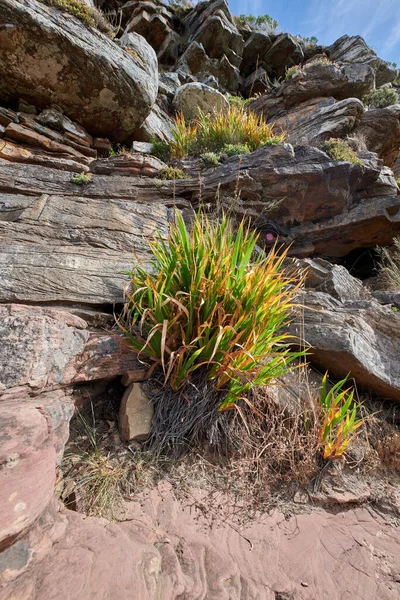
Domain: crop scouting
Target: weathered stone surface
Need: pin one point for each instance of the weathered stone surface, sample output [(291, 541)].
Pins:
[(73, 248), (361, 336), (353, 49), (316, 120), (196, 62), (381, 130), (133, 376), (254, 52), (135, 414), (133, 164), (45, 348), (62, 160), (389, 297), (315, 81), (279, 54), (150, 20), (169, 551), (192, 97), (212, 26), (31, 432), (335, 280), (51, 117), (111, 97), (158, 125)]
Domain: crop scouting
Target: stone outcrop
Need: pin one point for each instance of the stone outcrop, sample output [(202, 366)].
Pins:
[(110, 97), (135, 414), (381, 130), (316, 120), (359, 336), (354, 50), (315, 81), (192, 97)]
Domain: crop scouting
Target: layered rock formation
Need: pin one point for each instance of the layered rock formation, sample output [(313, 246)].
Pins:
[(74, 221)]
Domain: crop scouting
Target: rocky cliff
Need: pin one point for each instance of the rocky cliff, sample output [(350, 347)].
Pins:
[(76, 213)]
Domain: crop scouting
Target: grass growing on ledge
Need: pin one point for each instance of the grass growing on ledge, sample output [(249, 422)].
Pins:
[(168, 173), (212, 303), (217, 132), (389, 266), (381, 98), (88, 16), (341, 151), (81, 178)]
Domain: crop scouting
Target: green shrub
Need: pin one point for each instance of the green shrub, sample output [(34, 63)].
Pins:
[(261, 22), (211, 301), (161, 150), (290, 72), (381, 98), (89, 16), (81, 178), (234, 149), (341, 151), (312, 40), (239, 101), (340, 424), (172, 173), (389, 266), (210, 159)]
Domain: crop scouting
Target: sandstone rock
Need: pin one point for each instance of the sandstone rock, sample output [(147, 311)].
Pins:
[(191, 97), (150, 20), (281, 51), (316, 120), (133, 164), (212, 26), (360, 337), (111, 98), (74, 248), (254, 52), (381, 130), (135, 414), (158, 125), (133, 377), (313, 82), (47, 348), (196, 62), (391, 298), (322, 276), (354, 50), (168, 550), (51, 117), (60, 160), (256, 83), (30, 429)]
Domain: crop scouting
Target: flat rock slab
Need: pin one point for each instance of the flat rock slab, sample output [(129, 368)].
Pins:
[(45, 348), (169, 551)]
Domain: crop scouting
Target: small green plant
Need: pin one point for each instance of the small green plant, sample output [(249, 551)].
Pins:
[(161, 150), (261, 22), (292, 71), (211, 301), (312, 40), (172, 173), (389, 266), (235, 149), (210, 159), (391, 64), (341, 151), (398, 181), (87, 15), (381, 98), (239, 101), (340, 424), (81, 178), (184, 136)]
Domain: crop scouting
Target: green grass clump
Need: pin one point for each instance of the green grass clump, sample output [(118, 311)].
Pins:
[(213, 132), (381, 98), (161, 150), (261, 22), (340, 425), (290, 72), (211, 301), (89, 16), (398, 181), (341, 151), (81, 178), (235, 149), (239, 101), (168, 173), (210, 159), (389, 266)]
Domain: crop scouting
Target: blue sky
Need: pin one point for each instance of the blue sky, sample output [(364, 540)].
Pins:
[(377, 21)]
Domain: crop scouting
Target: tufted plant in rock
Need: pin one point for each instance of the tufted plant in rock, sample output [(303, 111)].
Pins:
[(82, 11), (340, 423), (381, 98), (389, 266), (340, 150), (212, 302)]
